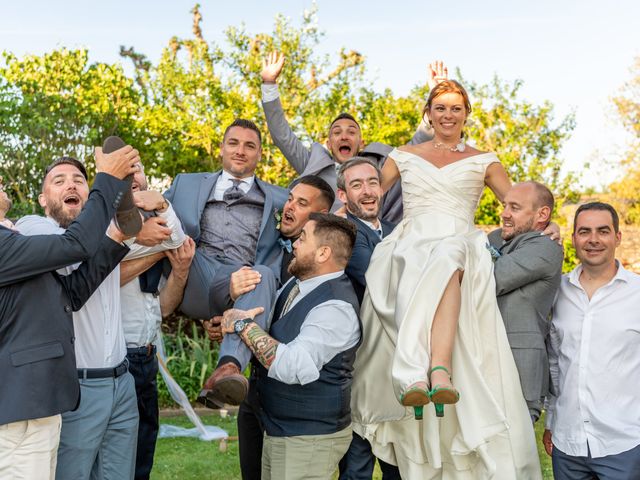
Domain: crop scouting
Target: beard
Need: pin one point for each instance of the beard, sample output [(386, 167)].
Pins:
[(57, 212), (357, 211), (301, 267), (518, 230)]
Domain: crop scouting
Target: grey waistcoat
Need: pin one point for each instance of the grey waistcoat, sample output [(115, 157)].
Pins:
[(230, 230)]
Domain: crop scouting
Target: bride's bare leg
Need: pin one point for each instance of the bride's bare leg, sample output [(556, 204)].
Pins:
[(443, 330)]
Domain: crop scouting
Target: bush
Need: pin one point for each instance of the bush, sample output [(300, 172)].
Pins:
[(191, 358)]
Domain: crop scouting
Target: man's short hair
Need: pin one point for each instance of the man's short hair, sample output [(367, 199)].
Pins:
[(64, 161), (598, 206), (326, 192), (342, 116), (336, 232), (544, 197), (243, 123), (353, 162)]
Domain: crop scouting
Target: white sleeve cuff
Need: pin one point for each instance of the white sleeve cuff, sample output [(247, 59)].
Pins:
[(270, 92)]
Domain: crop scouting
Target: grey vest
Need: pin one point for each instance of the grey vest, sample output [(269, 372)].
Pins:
[(230, 229), (321, 407)]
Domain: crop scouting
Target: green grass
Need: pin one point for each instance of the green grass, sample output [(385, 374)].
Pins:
[(190, 458)]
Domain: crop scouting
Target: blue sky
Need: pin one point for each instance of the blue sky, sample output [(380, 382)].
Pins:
[(576, 54)]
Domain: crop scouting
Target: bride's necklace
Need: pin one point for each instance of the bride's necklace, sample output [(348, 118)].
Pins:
[(458, 147)]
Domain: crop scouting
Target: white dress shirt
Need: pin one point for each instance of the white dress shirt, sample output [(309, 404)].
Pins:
[(224, 183), (141, 315), (594, 357), (329, 328), (270, 92)]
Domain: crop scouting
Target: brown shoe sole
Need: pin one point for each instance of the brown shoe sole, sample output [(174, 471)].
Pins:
[(231, 390)]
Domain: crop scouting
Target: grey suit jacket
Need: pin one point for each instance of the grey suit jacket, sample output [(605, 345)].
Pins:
[(317, 160), (203, 294), (527, 277)]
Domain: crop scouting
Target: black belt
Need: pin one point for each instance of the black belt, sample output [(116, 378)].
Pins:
[(146, 350), (113, 372)]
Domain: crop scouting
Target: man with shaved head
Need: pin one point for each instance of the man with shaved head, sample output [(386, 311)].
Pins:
[(527, 269)]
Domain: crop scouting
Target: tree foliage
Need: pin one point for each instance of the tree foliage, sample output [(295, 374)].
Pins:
[(57, 104), (175, 111), (625, 193)]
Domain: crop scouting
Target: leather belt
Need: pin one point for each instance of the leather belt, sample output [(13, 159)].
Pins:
[(113, 372), (146, 350)]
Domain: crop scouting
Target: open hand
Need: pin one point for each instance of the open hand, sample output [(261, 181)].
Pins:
[(271, 67), (233, 314), (436, 73), (243, 281), (154, 231)]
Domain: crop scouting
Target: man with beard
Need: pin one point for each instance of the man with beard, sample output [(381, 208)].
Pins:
[(307, 356), (5, 206), (37, 361), (343, 142), (99, 437), (527, 269), (360, 189), (309, 194)]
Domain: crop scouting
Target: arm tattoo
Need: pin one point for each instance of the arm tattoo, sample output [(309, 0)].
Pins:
[(261, 344)]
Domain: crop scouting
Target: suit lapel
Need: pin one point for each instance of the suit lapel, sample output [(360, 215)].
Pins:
[(369, 234), (268, 204), (206, 186)]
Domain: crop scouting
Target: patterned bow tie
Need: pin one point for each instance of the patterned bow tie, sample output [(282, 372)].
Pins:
[(285, 244)]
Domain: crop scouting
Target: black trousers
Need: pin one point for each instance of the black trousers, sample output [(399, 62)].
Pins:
[(358, 462), (143, 365), (250, 437)]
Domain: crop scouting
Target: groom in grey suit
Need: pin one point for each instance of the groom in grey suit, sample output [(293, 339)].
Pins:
[(344, 140), (527, 268), (231, 215)]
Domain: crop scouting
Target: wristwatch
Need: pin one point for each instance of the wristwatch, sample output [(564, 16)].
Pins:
[(240, 325)]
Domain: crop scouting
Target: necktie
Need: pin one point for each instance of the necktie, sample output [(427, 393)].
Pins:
[(292, 294), (233, 192), (285, 244)]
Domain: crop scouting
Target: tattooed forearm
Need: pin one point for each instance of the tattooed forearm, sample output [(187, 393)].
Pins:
[(261, 344)]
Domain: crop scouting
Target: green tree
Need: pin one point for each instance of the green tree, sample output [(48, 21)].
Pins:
[(625, 193), (522, 135), (57, 104)]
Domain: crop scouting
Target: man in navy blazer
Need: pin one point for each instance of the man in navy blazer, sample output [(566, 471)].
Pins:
[(232, 216), (360, 190), (37, 361)]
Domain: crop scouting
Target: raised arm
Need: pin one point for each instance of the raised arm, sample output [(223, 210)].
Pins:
[(22, 257), (497, 180), (390, 174), (436, 73), (283, 136)]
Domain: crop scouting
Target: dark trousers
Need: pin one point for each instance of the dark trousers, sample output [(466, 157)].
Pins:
[(358, 462), (143, 365), (622, 466), (250, 436)]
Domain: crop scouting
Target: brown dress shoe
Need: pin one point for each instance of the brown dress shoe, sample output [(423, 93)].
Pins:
[(128, 219), (226, 385)]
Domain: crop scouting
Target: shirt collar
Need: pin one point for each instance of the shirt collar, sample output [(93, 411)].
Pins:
[(622, 274), (310, 283), (371, 225), (247, 181)]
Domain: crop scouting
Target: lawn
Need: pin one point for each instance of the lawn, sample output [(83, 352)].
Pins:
[(190, 458)]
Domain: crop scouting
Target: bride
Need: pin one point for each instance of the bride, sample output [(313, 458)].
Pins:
[(432, 329)]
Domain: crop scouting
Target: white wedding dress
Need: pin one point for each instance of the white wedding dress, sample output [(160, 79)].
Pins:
[(488, 434)]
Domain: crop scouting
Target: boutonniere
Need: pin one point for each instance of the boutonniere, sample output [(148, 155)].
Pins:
[(277, 214), (493, 251)]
